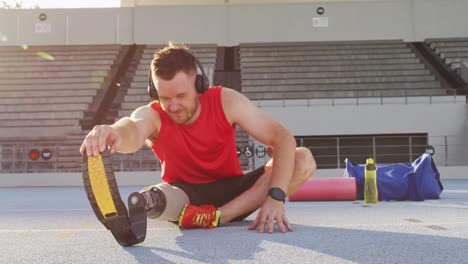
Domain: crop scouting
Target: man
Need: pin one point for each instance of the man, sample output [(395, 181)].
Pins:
[(191, 129)]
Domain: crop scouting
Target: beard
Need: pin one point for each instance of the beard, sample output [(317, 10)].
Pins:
[(184, 115)]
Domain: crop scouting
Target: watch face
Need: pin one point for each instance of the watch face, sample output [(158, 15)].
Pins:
[(277, 194)]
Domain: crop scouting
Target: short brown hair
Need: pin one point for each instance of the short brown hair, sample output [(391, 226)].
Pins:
[(167, 62)]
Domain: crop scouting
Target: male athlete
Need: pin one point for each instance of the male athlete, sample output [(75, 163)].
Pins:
[(191, 129)]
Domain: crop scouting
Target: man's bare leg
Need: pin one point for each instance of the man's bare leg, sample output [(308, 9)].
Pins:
[(253, 198)]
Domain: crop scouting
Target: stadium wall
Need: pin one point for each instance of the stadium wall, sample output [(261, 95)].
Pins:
[(231, 24), (443, 119)]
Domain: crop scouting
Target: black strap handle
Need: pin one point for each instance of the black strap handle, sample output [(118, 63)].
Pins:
[(127, 228)]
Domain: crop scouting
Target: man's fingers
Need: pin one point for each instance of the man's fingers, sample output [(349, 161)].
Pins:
[(255, 224), (288, 225), (95, 142), (102, 140), (262, 224), (271, 224), (82, 148), (281, 225), (265, 221), (88, 146)]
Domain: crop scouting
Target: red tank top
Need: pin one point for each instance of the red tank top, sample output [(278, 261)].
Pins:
[(202, 152)]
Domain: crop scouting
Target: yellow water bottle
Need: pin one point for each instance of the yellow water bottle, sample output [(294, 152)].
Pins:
[(371, 195)]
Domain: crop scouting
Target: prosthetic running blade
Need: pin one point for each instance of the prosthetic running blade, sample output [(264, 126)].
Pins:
[(103, 195)]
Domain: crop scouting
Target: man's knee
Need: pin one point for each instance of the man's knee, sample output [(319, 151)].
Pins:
[(305, 162), (164, 201)]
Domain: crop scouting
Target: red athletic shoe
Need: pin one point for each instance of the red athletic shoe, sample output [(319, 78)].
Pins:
[(205, 216)]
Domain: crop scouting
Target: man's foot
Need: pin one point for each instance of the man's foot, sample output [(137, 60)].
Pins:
[(205, 216)]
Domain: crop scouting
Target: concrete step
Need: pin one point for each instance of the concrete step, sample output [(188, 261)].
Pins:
[(344, 94), (327, 57), (138, 84), (45, 93), (45, 100), (455, 60), (55, 69), (455, 54), (60, 47), (456, 65), (339, 69), (123, 113), (42, 115), (297, 75), (288, 53), (141, 90), (44, 63), (73, 58), (456, 39), (322, 43), (27, 53), (55, 74), (323, 47), (137, 98), (332, 81), (329, 63), (131, 105), (40, 123), (37, 132), (54, 80), (43, 108), (448, 44), (452, 49), (341, 86), (54, 86)]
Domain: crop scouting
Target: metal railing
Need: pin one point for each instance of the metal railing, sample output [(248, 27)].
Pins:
[(449, 151), (15, 158), (364, 97)]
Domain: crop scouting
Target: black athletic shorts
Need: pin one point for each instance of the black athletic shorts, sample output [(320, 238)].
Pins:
[(220, 192)]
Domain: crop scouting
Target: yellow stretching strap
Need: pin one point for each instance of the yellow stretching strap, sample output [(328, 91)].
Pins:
[(127, 226), (100, 186)]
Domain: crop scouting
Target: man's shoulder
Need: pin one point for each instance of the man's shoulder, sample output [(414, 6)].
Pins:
[(148, 111)]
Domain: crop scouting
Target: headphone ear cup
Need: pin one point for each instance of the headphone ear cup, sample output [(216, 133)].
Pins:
[(153, 93), (152, 89), (200, 84)]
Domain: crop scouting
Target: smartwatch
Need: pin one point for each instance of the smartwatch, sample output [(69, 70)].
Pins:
[(277, 194)]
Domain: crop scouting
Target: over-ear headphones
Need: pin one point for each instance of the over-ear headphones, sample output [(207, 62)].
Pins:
[(201, 80)]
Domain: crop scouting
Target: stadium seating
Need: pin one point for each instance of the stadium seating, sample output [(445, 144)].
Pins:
[(333, 70), (454, 51), (45, 90)]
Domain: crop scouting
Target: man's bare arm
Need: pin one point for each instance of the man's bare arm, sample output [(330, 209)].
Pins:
[(126, 135)]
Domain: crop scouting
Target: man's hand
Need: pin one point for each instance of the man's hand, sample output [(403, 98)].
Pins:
[(271, 211), (97, 139)]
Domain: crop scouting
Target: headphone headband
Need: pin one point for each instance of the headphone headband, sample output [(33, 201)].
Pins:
[(201, 80)]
